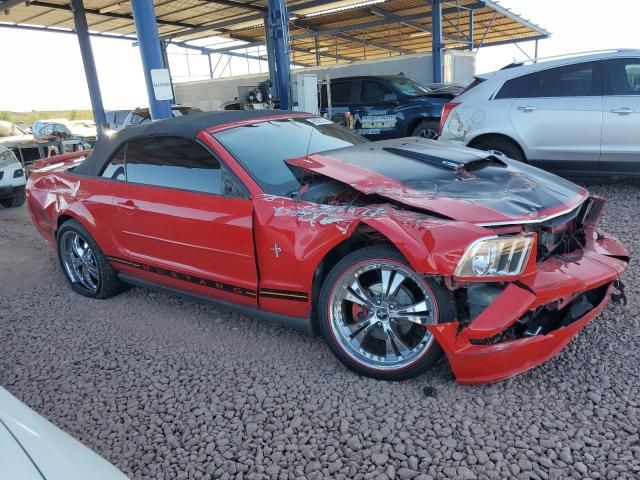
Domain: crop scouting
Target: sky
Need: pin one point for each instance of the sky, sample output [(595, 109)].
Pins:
[(43, 71)]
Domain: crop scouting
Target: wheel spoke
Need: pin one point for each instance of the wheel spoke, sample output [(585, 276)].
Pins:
[(87, 281), (398, 278), (93, 270), (75, 261), (422, 320), (77, 248), (394, 342), (420, 307), (359, 334), (357, 294)]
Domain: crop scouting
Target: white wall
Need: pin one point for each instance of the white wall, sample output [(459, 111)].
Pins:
[(459, 67)]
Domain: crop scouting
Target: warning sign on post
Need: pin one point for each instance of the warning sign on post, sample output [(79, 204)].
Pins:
[(161, 84)]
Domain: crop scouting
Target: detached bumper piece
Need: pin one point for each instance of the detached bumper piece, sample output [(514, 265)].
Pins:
[(532, 319)]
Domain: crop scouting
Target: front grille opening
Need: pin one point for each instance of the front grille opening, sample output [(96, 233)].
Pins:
[(548, 318), (562, 235)]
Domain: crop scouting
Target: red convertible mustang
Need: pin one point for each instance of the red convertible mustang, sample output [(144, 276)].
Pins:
[(394, 251)]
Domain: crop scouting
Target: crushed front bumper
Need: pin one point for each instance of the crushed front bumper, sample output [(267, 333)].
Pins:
[(556, 282)]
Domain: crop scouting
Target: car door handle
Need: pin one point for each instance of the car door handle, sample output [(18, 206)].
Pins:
[(127, 206), (526, 108), (623, 110)]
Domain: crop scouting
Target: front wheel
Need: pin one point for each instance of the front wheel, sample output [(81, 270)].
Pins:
[(374, 309)]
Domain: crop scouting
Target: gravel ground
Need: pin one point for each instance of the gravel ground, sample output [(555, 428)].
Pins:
[(167, 388)]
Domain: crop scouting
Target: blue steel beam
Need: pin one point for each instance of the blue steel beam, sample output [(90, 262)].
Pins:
[(82, 32), (150, 52), (268, 36), (278, 24), (437, 45)]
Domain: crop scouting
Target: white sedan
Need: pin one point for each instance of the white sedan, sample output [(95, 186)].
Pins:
[(31, 448)]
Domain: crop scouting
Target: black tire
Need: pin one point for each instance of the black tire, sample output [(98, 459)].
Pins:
[(16, 201), (108, 284), (443, 298), (427, 129), (501, 145)]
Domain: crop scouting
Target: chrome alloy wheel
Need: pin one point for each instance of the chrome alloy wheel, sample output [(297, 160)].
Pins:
[(429, 134), (79, 261), (378, 314)]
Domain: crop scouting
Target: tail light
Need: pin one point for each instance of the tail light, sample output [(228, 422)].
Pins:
[(446, 110)]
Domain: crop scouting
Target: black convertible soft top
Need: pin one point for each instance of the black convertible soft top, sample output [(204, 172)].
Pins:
[(187, 126)]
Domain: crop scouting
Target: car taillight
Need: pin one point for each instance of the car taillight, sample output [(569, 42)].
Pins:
[(446, 110)]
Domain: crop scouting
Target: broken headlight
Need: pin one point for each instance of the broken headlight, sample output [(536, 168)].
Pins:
[(495, 257)]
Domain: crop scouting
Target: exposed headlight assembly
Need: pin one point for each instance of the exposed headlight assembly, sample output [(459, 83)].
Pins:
[(503, 256)]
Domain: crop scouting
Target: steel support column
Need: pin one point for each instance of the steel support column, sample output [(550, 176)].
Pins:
[(82, 32), (278, 29), (151, 53), (437, 45), (271, 57)]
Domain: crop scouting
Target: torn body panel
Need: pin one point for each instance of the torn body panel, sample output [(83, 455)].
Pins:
[(448, 182), (548, 306), (305, 232)]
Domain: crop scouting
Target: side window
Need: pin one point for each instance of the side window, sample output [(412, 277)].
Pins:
[(173, 162), (580, 80), (341, 92), (115, 168), (513, 88), (622, 76), (373, 92), (46, 130)]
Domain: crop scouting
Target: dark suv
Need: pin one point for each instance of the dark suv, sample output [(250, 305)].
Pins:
[(387, 106)]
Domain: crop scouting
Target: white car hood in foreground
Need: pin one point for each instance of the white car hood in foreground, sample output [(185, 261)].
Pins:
[(31, 448)]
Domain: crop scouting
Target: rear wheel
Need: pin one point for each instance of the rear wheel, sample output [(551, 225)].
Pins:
[(501, 146), (374, 309), (84, 264), (427, 129)]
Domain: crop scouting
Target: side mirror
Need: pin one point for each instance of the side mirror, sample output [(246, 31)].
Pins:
[(390, 97)]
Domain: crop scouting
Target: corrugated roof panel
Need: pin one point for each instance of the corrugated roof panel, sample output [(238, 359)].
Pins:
[(178, 19)]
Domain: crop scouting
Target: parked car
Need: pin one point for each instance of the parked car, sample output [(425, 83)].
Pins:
[(12, 179), (140, 116), (571, 115), (387, 106), (32, 448), (82, 130), (392, 250), (21, 143), (116, 118)]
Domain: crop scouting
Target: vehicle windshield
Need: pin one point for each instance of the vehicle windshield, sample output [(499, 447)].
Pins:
[(263, 147), (8, 129), (409, 87)]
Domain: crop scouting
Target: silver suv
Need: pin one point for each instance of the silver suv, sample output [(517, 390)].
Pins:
[(572, 115)]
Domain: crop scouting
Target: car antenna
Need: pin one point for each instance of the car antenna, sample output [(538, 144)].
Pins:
[(303, 186)]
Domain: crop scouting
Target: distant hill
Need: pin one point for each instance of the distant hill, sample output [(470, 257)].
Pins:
[(30, 117)]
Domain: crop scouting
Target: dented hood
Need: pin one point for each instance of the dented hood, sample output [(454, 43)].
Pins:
[(454, 182)]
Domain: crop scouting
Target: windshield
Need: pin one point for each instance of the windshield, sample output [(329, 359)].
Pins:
[(8, 129), (263, 147), (7, 157), (409, 87)]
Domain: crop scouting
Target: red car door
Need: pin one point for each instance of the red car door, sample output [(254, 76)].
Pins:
[(184, 221)]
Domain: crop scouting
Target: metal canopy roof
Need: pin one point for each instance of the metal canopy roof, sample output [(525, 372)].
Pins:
[(335, 30)]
